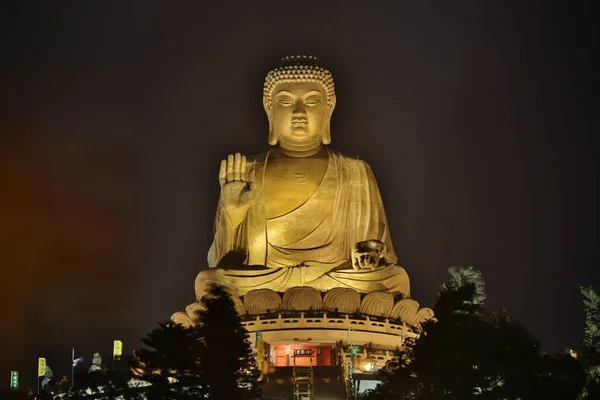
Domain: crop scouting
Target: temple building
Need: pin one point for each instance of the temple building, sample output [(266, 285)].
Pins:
[(302, 243)]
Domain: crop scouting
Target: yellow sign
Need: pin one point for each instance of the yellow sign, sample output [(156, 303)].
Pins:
[(41, 366), (117, 348), (260, 350)]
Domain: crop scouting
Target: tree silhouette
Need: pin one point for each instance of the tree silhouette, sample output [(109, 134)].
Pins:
[(590, 347), (210, 360), (107, 384), (561, 377), (228, 366), (467, 354), (170, 364), (471, 280)]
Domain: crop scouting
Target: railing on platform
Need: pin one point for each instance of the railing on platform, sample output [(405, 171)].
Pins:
[(323, 321)]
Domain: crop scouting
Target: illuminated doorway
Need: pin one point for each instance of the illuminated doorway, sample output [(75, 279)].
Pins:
[(283, 355)]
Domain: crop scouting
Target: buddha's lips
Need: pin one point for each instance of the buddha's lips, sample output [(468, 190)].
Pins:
[(299, 121)]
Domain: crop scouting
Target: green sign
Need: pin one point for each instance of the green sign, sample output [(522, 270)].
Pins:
[(14, 379), (354, 350)]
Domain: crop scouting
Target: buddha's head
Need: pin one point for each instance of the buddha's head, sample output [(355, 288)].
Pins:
[(299, 99)]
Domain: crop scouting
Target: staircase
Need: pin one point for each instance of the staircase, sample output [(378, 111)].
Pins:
[(328, 384), (303, 381)]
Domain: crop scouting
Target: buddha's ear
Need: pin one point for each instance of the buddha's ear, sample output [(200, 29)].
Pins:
[(326, 139), (272, 137)]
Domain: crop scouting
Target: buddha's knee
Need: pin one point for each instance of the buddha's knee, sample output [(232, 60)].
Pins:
[(400, 282), (205, 281)]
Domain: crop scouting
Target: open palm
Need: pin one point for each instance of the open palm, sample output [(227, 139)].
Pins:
[(238, 191)]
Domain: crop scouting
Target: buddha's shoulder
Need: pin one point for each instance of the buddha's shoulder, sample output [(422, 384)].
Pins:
[(349, 160), (345, 159)]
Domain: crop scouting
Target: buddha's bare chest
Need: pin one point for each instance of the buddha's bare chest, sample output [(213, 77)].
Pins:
[(289, 182)]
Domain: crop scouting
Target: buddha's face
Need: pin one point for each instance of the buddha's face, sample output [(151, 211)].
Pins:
[(299, 114)]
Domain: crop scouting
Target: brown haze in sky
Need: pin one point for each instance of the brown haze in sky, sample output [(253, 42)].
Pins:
[(66, 234)]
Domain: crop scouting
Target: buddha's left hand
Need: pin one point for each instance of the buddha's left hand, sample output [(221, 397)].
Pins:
[(367, 254)]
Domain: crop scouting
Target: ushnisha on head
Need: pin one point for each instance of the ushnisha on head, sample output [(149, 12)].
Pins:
[(299, 98)]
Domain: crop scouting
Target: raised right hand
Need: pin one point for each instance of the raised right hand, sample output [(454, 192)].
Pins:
[(237, 187)]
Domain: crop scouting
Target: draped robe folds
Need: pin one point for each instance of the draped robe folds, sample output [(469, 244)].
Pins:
[(311, 245)]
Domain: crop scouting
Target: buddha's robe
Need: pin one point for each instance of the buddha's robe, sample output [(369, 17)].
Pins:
[(311, 245)]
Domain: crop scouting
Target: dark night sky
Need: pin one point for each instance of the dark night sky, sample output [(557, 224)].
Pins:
[(478, 118)]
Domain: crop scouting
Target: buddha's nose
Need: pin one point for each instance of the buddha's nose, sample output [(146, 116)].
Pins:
[(299, 107)]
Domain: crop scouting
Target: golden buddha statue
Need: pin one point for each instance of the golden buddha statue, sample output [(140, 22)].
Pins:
[(300, 214)]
